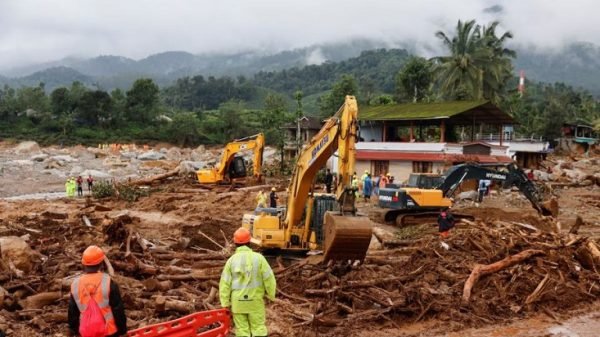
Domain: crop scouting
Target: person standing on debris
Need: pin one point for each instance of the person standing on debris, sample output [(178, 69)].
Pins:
[(70, 187), (96, 285), (376, 181), (79, 186), (90, 183), (246, 279), (481, 190), (384, 180), (367, 188), (355, 185), (67, 187), (328, 180), (261, 200), (362, 179), (445, 223), (273, 198)]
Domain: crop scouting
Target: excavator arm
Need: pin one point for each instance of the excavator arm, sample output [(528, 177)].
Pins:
[(219, 174), (513, 176), (338, 134)]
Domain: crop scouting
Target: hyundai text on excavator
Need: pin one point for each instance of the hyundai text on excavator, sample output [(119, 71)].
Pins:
[(311, 221), (425, 195), (232, 167)]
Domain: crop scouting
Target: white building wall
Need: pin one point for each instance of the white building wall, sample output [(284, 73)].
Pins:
[(400, 170), (401, 146)]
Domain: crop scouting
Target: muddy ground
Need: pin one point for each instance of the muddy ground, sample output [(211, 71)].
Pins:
[(170, 246)]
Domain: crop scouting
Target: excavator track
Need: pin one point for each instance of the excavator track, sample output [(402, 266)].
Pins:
[(346, 237)]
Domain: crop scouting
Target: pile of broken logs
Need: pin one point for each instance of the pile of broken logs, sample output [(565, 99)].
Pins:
[(485, 272)]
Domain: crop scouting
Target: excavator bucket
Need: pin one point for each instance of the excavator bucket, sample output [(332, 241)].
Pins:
[(346, 237)]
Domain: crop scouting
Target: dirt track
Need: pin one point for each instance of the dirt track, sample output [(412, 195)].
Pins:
[(417, 299)]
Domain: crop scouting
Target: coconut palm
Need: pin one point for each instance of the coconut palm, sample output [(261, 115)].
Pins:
[(478, 65)]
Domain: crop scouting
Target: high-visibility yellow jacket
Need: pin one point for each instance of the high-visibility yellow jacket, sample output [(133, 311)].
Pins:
[(246, 279), (261, 200)]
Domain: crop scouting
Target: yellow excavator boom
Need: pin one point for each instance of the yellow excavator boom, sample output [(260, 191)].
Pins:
[(222, 172), (347, 235)]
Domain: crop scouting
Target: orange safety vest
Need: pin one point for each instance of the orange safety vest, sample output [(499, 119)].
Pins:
[(97, 285)]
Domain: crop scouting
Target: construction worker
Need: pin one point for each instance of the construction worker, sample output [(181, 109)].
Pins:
[(93, 282), (445, 223), (355, 185), (261, 200), (363, 178), (79, 182), (246, 279), (384, 180), (328, 180), (273, 198)]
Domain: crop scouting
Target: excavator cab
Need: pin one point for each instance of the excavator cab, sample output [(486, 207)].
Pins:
[(237, 168)]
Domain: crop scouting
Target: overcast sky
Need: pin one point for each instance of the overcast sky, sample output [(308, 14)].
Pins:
[(44, 30)]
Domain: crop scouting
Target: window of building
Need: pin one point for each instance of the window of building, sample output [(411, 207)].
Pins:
[(422, 167), (379, 167)]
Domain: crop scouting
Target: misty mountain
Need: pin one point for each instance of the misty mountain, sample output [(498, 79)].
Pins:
[(51, 77), (577, 64)]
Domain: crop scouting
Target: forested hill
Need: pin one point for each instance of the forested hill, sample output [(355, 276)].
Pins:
[(577, 64), (376, 70)]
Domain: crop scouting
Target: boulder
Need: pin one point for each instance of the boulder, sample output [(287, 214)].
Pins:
[(27, 147), (187, 167), (173, 154), (39, 157), (53, 164), (163, 150), (65, 159), (16, 250), (55, 172), (468, 195), (151, 155), (76, 171), (541, 175), (20, 163), (96, 174), (129, 155)]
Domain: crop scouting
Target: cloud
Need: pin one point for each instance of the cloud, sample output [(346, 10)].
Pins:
[(37, 31)]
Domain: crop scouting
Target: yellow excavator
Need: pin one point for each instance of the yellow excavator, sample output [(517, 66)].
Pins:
[(232, 167), (311, 221)]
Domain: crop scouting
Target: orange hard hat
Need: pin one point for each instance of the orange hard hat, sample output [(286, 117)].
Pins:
[(241, 236), (92, 256)]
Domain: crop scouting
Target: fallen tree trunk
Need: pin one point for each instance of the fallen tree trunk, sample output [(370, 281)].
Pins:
[(151, 179), (481, 270), (40, 300)]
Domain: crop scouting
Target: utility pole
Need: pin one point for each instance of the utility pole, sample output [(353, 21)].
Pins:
[(299, 114)]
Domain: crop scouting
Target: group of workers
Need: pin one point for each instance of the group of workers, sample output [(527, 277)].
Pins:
[(76, 184), (367, 185), (96, 307), (261, 199)]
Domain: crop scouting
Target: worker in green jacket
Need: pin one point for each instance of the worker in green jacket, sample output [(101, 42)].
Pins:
[(246, 279)]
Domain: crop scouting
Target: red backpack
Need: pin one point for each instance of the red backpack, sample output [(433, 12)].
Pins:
[(92, 322)]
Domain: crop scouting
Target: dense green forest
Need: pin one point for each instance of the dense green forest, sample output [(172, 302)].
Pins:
[(199, 109)]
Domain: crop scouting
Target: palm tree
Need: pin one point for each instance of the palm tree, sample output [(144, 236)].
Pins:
[(478, 65)]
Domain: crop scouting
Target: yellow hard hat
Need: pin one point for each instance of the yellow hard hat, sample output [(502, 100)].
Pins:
[(366, 171), (388, 174), (273, 189)]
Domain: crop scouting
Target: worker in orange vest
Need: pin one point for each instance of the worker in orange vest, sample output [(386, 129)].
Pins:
[(93, 282)]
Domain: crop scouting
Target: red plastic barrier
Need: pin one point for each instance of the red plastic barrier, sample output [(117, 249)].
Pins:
[(189, 326)]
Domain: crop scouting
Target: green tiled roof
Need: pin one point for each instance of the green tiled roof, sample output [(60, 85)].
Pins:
[(416, 110)]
